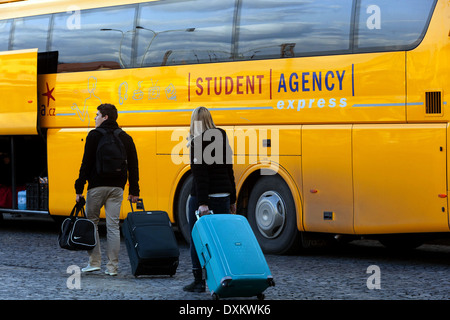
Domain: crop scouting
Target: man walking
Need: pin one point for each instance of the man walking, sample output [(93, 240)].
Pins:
[(109, 156)]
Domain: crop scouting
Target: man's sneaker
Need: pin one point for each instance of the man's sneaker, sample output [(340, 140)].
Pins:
[(90, 269), (110, 273)]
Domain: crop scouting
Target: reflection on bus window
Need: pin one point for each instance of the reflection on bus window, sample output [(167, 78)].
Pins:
[(167, 35), (163, 33), (5, 28), (31, 33), (103, 41), (386, 24), (274, 29)]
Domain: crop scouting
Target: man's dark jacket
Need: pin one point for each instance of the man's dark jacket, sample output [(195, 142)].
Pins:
[(88, 170)]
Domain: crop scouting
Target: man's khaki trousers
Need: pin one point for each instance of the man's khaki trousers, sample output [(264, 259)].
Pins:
[(111, 198)]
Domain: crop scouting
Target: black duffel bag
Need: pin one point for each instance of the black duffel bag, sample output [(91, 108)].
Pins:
[(77, 233)]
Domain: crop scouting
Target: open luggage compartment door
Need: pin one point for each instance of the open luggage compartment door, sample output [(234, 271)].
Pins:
[(18, 89)]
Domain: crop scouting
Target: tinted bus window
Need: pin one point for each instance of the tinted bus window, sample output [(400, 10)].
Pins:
[(5, 29), (171, 33), (99, 39), (282, 29), (392, 25), (31, 32)]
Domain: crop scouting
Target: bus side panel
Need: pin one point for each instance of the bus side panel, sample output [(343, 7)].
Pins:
[(269, 150), (172, 155), (145, 141), (399, 175), (428, 68), (448, 166), (333, 89), (65, 153), (327, 178)]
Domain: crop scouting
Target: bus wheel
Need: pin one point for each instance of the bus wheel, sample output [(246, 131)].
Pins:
[(182, 209), (272, 215)]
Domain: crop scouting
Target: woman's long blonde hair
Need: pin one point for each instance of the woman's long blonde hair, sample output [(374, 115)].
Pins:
[(201, 120)]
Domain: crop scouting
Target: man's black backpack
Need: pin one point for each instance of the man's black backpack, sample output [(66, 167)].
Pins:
[(111, 154)]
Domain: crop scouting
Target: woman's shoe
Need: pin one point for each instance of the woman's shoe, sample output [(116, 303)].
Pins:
[(198, 285), (195, 286)]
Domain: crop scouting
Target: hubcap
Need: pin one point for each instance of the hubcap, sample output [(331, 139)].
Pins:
[(270, 214)]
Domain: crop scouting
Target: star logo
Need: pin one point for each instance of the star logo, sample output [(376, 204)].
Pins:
[(49, 94)]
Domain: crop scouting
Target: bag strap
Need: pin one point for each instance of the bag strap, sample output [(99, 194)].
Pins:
[(101, 130), (81, 210), (78, 207), (73, 211), (76, 210), (117, 132)]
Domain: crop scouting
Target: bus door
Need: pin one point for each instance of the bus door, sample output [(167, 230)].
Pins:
[(18, 92)]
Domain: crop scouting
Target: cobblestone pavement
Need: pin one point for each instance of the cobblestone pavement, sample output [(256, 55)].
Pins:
[(33, 267)]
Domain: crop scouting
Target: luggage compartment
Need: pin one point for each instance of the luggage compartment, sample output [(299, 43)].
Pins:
[(23, 168)]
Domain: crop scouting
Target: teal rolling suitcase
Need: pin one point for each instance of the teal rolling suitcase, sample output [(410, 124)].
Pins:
[(229, 252)]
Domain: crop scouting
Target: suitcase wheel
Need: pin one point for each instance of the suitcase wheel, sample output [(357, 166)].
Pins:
[(225, 282), (215, 296), (261, 296)]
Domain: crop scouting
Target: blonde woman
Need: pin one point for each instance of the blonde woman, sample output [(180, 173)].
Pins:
[(213, 186)]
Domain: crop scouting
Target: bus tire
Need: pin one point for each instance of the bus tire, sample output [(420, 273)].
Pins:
[(182, 208), (272, 216)]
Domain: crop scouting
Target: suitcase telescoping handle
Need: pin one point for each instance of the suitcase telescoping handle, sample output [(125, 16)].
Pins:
[(139, 205), (197, 214)]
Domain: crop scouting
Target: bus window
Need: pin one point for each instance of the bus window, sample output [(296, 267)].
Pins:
[(200, 32), (392, 25), (101, 40), (274, 29), (5, 29), (30, 33)]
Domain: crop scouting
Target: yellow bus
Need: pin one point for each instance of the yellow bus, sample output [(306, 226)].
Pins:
[(336, 109)]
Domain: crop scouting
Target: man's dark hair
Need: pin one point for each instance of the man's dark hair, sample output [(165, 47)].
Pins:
[(107, 109)]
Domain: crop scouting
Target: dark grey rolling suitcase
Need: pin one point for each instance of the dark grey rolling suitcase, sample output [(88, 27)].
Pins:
[(150, 241)]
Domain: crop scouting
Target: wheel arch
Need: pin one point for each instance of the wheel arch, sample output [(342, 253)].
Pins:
[(250, 177), (181, 178)]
